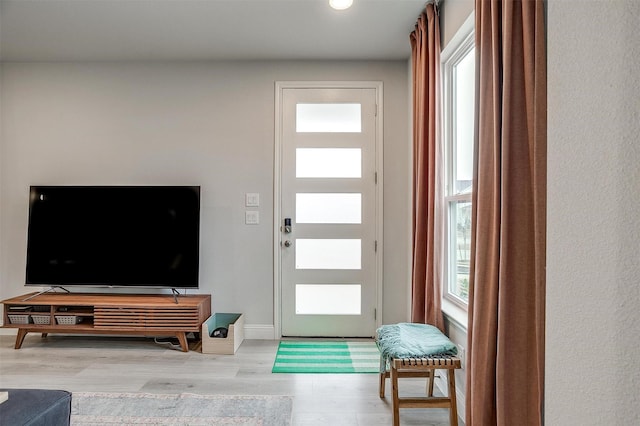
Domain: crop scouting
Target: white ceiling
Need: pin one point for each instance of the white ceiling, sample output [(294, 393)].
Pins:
[(196, 30)]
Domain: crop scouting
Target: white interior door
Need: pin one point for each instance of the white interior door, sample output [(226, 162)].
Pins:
[(329, 214)]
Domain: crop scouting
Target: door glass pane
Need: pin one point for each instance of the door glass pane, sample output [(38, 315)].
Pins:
[(328, 118), (327, 253), (328, 163), (328, 208), (328, 299)]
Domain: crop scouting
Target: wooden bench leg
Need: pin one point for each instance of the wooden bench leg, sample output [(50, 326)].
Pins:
[(430, 379), (453, 411), (383, 376), (394, 388)]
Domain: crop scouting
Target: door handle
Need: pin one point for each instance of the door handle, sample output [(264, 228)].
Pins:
[(287, 243)]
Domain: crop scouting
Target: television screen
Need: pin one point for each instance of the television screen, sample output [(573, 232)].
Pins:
[(139, 236)]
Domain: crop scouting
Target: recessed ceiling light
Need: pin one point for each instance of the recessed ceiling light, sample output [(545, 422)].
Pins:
[(340, 4)]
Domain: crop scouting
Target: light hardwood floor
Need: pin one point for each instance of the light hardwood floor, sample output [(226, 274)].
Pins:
[(115, 364)]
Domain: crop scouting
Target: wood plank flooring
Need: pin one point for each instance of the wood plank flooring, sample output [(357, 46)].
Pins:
[(123, 364)]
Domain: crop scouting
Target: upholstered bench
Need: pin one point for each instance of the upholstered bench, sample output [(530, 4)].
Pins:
[(36, 407), (417, 350)]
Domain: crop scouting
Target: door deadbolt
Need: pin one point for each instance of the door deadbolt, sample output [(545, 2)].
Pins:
[(287, 225)]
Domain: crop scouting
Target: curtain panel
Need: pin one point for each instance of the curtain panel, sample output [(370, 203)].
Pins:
[(505, 354), (425, 46)]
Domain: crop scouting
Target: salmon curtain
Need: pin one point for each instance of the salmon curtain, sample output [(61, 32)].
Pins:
[(425, 46), (505, 354)]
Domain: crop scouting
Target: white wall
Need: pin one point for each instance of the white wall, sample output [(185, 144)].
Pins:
[(453, 14), (208, 124), (593, 260)]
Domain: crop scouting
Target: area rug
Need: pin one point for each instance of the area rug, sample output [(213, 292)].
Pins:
[(102, 409), (326, 357)]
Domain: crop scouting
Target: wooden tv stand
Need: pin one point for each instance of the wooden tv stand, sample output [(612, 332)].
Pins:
[(121, 314)]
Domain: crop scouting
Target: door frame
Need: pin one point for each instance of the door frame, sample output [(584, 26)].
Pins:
[(277, 183)]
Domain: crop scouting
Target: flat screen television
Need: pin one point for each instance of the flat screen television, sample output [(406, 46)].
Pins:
[(114, 236)]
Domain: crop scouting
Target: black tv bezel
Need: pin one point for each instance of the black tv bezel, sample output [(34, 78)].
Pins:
[(121, 285)]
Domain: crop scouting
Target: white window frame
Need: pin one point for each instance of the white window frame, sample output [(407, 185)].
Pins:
[(460, 45)]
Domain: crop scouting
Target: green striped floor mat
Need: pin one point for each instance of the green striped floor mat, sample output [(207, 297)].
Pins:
[(326, 357)]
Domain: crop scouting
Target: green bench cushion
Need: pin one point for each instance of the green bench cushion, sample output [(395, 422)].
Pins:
[(409, 340)]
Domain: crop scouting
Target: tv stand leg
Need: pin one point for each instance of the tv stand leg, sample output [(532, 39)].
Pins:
[(22, 332), (176, 293), (52, 288), (182, 338)]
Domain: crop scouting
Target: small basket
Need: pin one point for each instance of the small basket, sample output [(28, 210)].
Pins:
[(19, 318), (41, 319), (68, 319)]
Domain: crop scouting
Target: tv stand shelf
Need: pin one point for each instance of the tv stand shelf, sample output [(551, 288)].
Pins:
[(97, 313)]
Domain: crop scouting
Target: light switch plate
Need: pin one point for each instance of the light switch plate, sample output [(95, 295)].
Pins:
[(252, 199), (251, 217)]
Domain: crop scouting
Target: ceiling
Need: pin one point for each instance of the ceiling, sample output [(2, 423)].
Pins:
[(201, 30)]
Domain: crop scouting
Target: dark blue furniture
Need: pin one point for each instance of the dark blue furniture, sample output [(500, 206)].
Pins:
[(36, 407)]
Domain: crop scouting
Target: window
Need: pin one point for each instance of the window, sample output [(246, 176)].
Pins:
[(458, 69)]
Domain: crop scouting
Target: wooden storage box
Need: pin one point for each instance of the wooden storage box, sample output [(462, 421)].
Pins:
[(234, 323)]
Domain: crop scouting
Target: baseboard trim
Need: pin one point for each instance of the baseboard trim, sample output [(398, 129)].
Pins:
[(259, 331)]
